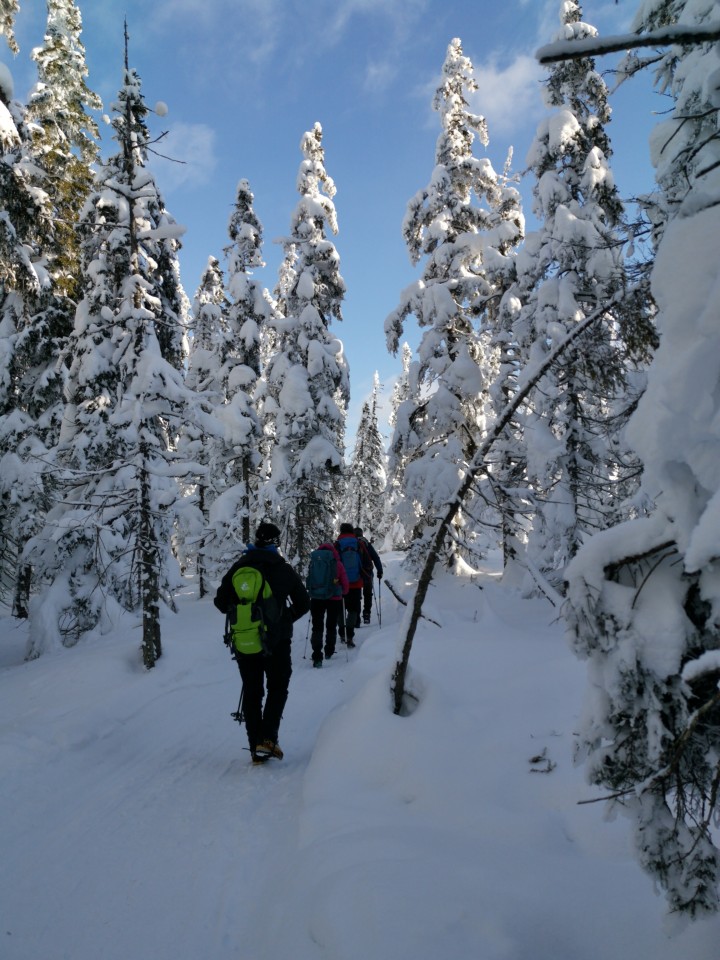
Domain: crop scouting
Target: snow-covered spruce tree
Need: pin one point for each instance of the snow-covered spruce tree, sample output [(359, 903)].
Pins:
[(235, 511), (8, 12), (644, 597), (64, 137), (396, 458), (363, 504), (62, 149), (465, 223), (24, 219), (306, 388), (107, 543), (571, 265), (201, 440)]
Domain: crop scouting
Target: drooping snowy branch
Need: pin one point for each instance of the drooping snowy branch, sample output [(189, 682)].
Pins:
[(598, 46)]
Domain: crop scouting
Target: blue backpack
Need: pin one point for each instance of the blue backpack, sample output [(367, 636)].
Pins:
[(350, 556), (321, 581)]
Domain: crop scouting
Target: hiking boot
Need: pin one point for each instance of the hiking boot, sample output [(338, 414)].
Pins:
[(350, 641), (329, 653), (366, 619), (267, 749), (258, 761), (317, 663)]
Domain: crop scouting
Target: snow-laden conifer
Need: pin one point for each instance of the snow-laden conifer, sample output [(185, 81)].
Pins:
[(465, 222), (569, 266), (235, 434), (306, 388), (107, 541), (645, 595), (64, 136), (367, 477), (399, 419), (8, 12), (24, 220), (62, 148), (201, 440)]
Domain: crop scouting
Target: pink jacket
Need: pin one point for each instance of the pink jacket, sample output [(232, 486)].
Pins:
[(341, 574)]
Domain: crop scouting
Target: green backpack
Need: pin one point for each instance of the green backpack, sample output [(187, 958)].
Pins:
[(256, 612)]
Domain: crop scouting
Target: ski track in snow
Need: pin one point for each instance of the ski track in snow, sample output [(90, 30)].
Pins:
[(120, 780), (134, 826)]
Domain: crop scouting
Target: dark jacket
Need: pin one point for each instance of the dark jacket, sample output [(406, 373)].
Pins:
[(286, 585), (373, 554)]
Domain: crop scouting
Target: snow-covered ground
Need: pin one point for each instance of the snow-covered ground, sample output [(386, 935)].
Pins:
[(135, 828)]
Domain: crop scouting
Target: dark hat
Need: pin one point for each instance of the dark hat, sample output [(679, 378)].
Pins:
[(266, 534), (358, 531), (347, 528)]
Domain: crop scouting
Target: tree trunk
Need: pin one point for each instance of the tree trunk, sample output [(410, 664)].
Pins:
[(148, 573), (246, 513)]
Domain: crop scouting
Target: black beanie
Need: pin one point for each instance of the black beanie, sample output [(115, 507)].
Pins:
[(266, 534)]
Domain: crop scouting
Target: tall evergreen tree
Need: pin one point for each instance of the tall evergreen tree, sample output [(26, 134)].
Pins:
[(306, 381), (64, 137), (395, 522), (24, 216), (107, 542), (201, 441), (62, 148), (367, 477), (643, 595), (235, 508), (571, 265), (465, 224)]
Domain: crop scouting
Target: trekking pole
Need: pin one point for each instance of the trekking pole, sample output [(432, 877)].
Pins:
[(306, 638), (379, 602), (238, 715)]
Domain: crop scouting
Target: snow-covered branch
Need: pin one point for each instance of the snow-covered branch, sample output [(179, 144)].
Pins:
[(597, 46)]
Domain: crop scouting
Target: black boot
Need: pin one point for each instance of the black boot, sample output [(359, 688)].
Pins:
[(316, 641)]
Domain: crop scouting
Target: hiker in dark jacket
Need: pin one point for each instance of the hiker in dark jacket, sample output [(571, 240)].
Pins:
[(352, 554), (262, 722), (367, 574), (325, 610)]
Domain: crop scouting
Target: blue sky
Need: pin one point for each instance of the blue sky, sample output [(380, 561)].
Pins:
[(243, 79)]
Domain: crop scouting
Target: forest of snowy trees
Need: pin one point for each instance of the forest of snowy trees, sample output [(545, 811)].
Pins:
[(561, 407)]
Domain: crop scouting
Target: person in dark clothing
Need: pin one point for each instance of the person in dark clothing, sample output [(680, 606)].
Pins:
[(262, 721), (367, 574), (324, 611), (354, 558)]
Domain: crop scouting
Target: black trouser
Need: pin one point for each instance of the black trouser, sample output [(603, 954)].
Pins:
[(353, 604), (263, 722), (324, 614), (367, 590)]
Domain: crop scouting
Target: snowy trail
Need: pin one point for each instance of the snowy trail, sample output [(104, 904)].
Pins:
[(154, 765), (133, 826)]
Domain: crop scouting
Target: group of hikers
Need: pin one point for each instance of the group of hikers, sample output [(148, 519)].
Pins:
[(262, 596)]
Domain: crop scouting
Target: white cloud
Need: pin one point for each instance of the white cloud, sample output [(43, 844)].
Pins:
[(188, 157), (379, 76), (508, 96), (400, 14)]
